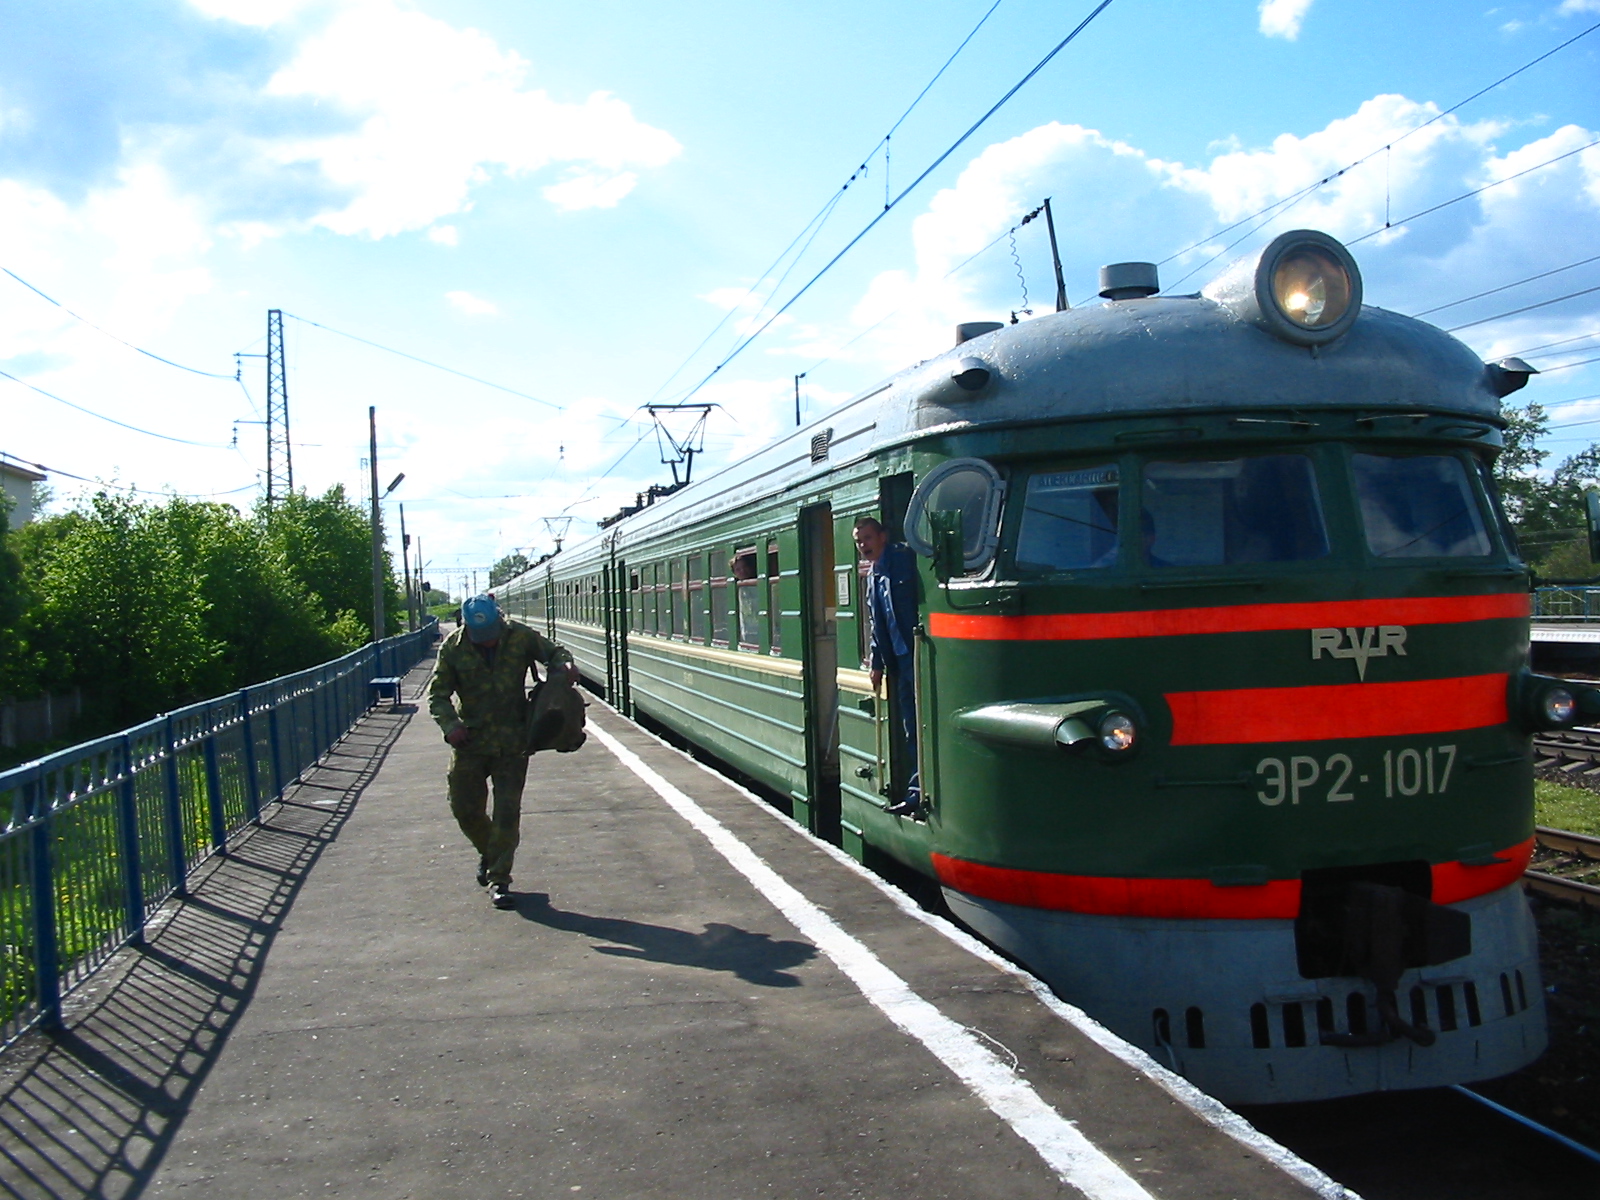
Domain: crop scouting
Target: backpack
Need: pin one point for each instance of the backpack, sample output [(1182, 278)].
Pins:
[(555, 717)]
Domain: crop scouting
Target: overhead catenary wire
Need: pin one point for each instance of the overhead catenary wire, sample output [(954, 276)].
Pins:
[(107, 333), (1295, 197), (1505, 287), (912, 186), (814, 226), (1562, 342), (122, 487), (166, 437), (1525, 308)]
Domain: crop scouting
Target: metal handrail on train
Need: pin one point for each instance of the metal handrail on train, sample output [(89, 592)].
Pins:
[(96, 837)]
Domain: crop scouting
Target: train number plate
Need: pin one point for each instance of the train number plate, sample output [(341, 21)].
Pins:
[(1414, 771)]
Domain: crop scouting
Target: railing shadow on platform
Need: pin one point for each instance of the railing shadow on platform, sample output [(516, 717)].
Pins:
[(96, 837), (88, 1112), (753, 957)]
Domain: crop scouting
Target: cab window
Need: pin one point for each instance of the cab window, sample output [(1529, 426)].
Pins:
[(1069, 520), (1418, 506), (1260, 509)]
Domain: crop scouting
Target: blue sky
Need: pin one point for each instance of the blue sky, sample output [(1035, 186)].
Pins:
[(566, 199)]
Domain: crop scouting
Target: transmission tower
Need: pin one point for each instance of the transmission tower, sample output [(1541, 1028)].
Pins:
[(280, 462)]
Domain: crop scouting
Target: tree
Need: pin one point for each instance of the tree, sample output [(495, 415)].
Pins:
[(326, 541), (1548, 512), (512, 564)]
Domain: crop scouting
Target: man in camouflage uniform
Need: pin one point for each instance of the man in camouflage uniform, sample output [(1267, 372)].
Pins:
[(484, 664)]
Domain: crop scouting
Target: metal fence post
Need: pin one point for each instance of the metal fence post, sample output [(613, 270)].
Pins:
[(252, 788), (132, 858), (46, 952), (219, 823), (272, 750), (174, 806)]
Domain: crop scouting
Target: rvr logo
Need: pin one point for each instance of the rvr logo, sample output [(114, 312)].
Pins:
[(1359, 644)]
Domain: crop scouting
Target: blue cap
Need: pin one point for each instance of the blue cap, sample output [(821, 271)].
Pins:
[(481, 616)]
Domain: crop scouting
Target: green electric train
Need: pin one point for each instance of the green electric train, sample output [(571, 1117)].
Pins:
[(1221, 687)]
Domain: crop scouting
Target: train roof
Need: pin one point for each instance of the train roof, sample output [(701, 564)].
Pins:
[(1207, 352)]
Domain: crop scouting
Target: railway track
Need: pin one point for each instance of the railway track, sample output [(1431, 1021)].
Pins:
[(1563, 877)]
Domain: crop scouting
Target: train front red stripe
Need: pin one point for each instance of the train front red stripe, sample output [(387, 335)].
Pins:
[(1348, 710), (1195, 899), (1236, 618)]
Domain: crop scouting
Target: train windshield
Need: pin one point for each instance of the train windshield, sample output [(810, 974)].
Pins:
[(1419, 506), (1261, 509), (1069, 520)]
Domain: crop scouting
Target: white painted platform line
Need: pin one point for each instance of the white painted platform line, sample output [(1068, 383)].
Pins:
[(1209, 1109), (1073, 1157)]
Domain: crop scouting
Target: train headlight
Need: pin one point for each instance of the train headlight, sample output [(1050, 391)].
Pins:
[(1117, 732), (1304, 288), (1311, 287), (1558, 706)]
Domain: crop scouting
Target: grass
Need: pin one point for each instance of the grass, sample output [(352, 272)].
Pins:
[(1576, 810)]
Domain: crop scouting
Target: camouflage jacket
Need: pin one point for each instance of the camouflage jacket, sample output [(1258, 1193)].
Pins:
[(490, 691)]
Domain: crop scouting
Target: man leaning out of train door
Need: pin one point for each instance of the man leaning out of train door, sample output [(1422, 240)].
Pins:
[(892, 601), (484, 664)]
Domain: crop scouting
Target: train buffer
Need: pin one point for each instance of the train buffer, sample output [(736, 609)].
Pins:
[(691, 999)]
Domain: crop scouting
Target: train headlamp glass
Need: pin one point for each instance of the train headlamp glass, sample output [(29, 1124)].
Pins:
[(1117, 732), (1558, 706), (1311, 287)]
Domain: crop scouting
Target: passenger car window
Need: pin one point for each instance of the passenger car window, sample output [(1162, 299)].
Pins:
[(1260, 509), (1069, 520), (1418, 506)]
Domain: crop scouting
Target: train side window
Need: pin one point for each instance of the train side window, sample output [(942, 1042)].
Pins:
[(1418, 506), (1069, 520), (719, 597), (747, 585), (1492, 490), (697, 598), (971, 487), (653, 599), (676, 596), (774, 608), (1261, 509), (635, 603)]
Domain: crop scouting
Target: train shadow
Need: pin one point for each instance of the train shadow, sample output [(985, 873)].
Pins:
[(754, 957), (91, 1111)]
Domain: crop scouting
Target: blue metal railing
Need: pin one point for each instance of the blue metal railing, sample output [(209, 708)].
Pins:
[(96, 837), (1570, 603)]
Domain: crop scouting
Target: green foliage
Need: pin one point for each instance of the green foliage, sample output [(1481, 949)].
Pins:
[(148, 606), (511, 564), (1547, 511)]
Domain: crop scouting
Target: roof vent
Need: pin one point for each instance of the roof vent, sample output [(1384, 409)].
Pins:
[(1129, 281), (819, 445), (968, 330)]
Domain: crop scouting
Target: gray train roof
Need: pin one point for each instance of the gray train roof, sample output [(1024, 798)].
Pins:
[(1121, 358)]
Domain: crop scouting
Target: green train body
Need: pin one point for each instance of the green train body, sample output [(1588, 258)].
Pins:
[(1269, 551)]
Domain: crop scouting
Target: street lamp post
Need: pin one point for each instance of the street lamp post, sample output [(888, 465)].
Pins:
[(377, 523)]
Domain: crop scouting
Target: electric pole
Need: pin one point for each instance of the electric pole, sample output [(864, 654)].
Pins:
[(377, 530), (280, 462), (405, 564)]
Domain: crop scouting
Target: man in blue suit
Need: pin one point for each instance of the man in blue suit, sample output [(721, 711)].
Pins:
[(892, 601)]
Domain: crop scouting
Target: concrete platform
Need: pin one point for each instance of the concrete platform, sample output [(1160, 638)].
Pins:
[(692, 999)]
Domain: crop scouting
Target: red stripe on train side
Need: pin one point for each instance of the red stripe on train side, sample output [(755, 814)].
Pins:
[(1244, 716), (1456, 881), (1193, 899), (1237, 618)]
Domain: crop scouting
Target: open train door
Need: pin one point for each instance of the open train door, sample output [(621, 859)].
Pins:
[(819, 656)]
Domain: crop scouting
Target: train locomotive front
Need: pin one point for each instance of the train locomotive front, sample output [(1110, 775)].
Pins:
[(1222, 684)]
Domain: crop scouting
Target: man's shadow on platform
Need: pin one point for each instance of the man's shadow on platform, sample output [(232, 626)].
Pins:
[(753, 957)]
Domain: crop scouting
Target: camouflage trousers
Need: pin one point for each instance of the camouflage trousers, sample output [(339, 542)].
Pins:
[(494, 838)]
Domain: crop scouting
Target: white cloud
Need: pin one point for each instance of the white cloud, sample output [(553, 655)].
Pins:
[(443, 108), (1282, 18), (473, 306), (1568, 7), (445, 235), (590, 189)]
